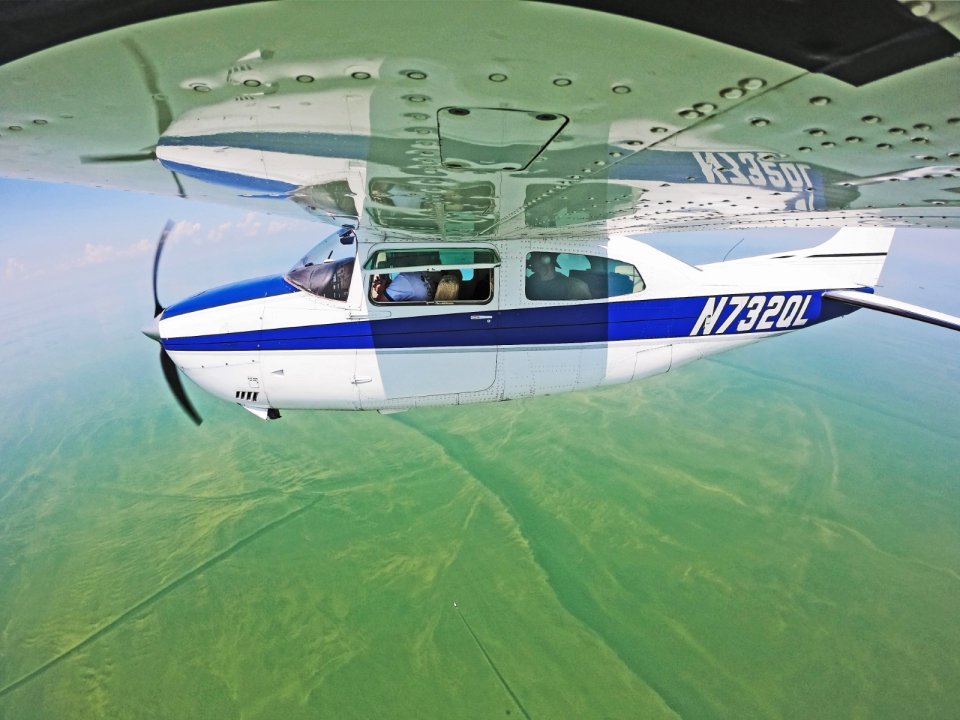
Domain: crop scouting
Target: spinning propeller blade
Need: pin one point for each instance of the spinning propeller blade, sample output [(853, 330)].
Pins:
[(121, 158), (157, 307), (176, 387), (166, 362), (162, 112)]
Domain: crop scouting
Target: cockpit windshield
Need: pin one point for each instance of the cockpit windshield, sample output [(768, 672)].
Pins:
[(339, 245), (327, 269)]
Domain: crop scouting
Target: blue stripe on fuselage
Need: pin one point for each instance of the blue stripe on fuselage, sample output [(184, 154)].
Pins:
[(229, 179), (558, 324), (314, 144), (233, 293)]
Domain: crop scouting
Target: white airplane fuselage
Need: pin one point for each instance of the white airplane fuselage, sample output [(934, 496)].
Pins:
[(270, 344)]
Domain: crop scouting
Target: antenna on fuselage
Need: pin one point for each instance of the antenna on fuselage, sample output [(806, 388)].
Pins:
[(731, 249)]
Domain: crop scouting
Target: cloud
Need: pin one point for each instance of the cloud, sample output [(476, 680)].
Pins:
[(13, 269), (217, 233), (94, 254), (97, 253), (141, 247), (249, 226), (183, 230), (278, 226)]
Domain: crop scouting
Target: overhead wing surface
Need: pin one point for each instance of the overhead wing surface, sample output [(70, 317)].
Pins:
[(504, 119)]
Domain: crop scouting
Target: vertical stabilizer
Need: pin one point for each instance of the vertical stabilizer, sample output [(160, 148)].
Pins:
[(855, 255), (856, 241)]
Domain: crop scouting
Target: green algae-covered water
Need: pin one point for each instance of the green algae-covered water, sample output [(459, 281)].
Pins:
[(771, 534)]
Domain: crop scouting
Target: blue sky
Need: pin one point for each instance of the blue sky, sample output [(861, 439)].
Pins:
[(51, 231)]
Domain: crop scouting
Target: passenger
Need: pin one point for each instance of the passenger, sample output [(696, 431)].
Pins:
[(448, 286), (596, 277), (405, 287), (547, 284)]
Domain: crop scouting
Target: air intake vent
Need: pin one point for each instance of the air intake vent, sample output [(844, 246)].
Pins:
[(250, 395)]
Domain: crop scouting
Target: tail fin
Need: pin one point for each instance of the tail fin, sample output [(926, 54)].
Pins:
[(856, 241), (852, 258), (855, 256)]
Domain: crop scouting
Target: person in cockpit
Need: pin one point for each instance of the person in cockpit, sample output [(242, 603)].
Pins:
[(548, 284), (405, 287)]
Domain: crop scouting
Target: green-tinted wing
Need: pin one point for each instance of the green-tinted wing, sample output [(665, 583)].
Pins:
[(502, 119)]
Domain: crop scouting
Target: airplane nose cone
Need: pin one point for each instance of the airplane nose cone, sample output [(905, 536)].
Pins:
[(152, 329)]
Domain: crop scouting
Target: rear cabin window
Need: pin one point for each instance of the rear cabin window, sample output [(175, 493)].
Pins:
[(570, 276), (431, 275)]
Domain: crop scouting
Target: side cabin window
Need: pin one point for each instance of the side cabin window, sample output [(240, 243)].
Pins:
[(431, 276), (327, 269), (570, 276)]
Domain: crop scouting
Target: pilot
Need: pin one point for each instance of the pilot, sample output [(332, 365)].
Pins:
[(405, 287), (547, 284)]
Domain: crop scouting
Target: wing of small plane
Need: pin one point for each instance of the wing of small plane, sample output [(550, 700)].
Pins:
[(499, 120), (893, 307)]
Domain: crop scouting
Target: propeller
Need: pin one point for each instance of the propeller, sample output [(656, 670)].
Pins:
[(153, 332), (157, 307), (176, 387), (145, 154), (163, 114)]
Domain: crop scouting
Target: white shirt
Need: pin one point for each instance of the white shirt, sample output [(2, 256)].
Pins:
[(408, 286)]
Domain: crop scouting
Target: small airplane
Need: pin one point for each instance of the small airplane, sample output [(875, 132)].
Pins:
[(373, 324), (486, 163)]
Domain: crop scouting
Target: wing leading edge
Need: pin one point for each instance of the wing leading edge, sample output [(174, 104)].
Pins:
[(893, 307)]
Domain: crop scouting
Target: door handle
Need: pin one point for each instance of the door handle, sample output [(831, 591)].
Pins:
[(367, 315), (488, 318)]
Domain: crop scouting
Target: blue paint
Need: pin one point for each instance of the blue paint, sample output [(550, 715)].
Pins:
[(232, 293), (555, 325), (682, 168), (229, 179), (649, 165), (315, 144)]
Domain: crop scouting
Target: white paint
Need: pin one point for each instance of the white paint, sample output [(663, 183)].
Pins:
[(394, 378)]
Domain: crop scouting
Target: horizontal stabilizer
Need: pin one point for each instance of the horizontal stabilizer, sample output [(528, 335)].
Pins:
[(894, 307)]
